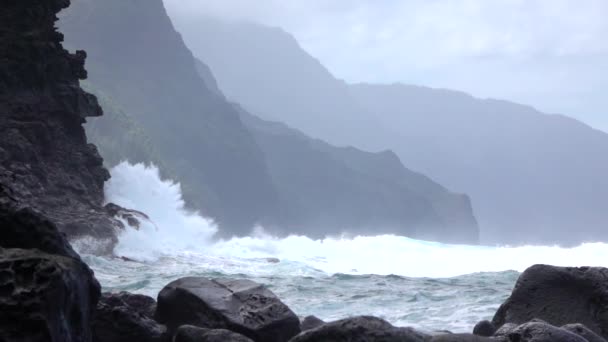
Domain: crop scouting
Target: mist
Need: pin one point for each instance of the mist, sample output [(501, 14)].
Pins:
[(543, 53)]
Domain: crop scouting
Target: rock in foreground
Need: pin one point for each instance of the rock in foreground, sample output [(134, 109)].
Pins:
[(124, 317), (559, 296), (45, 297), (242, 306), (360, 329), (190, 333)]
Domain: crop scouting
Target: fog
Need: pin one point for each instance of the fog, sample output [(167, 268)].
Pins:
[(547, 53)]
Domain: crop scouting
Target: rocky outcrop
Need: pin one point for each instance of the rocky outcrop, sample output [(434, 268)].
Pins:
[(125, 317), (484, 328), (242, 306), (559, 296), (584, 332), (360, 329), (45, 160), (537, 331), (45, 297), (311, 322), (190, 333)]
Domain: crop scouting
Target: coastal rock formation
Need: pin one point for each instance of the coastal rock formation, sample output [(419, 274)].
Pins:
[(310, 322), (559, 296), (542, 332), (45, 297), (190, 333), (584, 332), (124, 317), (484, 328), (26, 229), (360, 329), (45, 160), (242, 306)]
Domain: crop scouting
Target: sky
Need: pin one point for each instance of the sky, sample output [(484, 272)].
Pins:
[(551, 54)]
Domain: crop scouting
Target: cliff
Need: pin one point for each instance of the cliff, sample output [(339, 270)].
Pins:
[(325, 189), (139, 62), (532, 177), (45, 161)]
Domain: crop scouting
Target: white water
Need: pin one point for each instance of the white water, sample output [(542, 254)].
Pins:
[(176, 232)]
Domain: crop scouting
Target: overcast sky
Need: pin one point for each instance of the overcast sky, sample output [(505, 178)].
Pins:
[(552, 54)]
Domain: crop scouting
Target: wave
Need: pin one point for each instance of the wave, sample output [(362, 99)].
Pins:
[(175, 231)]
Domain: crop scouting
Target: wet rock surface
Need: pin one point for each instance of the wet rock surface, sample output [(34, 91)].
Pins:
[(484, 328), (242, 306), (125, 317), (46, 163), (45, 297), (190, 333), (360, 329), (559, 296), (311, 322)]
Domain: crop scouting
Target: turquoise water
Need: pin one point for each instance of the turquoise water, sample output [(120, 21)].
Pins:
[(454, 304), (427, 285)]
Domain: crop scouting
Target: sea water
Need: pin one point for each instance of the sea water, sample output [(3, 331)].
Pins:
[(427, 285)]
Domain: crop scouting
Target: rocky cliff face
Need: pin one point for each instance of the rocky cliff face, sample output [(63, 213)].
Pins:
[(138, 61), (45, 160), (50, 179)]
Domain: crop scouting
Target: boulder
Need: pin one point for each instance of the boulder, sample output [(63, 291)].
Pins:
[(542, 332), (505, 330), (460, 338), (190, 333), (484, 328), (124, 317), (242, 306), (138, 303), (44, 297), (360, 329), (25, 228), (559, 296), (583, 331), (311, 322)]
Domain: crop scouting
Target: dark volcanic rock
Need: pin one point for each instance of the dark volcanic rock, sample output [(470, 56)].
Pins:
[(460, 338), (26, 229), (45, 160), (45, 297), (484, 328), (505, 330), (559, 296), (311, 322), (189, 333), (139, 303), (241, 306), (542, 332), (360, 329), (584, 332), (125, 317)]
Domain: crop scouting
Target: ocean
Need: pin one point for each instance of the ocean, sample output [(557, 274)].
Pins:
[(426, 285)]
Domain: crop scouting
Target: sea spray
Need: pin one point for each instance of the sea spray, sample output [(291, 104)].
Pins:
[(173, 230), (331, 278)]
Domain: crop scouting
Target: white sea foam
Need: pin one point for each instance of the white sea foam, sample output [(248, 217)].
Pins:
[(174, 231)]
